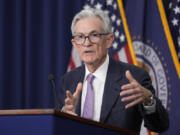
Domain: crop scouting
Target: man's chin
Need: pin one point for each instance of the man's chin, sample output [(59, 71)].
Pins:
[(89, 62)]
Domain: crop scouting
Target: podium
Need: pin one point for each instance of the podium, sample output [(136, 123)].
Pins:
[(52, 122)]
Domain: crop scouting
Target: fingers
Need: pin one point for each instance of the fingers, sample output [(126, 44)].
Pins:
[(68, 94), (76, 94), (78, 90), (72, 113), (72, 100), (130, 86), (131, 97), (68, 107), (134, 97), (68, 101), (137, 101), (129, 76), (133, 91)]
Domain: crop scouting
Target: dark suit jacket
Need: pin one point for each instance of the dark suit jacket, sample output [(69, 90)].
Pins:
[(113, 110)]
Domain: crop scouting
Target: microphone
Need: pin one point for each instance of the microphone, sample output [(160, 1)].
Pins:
[(51, 79)]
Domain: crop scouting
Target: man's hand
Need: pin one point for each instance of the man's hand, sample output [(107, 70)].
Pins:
[(72, 100), (135, 92)]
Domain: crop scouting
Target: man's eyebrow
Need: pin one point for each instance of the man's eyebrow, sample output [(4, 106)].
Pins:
[(80, 33), (94, 31)]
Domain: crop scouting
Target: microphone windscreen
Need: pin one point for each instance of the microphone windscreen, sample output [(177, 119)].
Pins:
[(50, 77)]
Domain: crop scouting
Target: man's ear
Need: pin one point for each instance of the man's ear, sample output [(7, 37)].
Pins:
[(110, 40), (72, 41)]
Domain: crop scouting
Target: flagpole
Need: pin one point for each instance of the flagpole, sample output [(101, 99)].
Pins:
[(168, 36), (129, 40)]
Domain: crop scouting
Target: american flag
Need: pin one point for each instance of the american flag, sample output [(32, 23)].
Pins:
[(119, 49), (173, 14)]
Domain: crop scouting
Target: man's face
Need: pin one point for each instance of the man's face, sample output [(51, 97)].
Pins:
[(92, 53)]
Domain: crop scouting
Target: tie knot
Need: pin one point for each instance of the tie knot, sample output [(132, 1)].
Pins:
[(90, 78)]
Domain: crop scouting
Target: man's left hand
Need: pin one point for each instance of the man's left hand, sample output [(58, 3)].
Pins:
[(135, 92)]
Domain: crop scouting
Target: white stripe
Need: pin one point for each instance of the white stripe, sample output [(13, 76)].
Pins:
[(75, 57), (122, 55), (143, 129)]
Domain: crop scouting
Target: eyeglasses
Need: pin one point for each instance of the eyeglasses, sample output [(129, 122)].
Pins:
[(92, 37)]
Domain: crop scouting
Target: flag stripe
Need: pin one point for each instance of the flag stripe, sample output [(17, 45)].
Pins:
[(116, 57), (128, 54), (75, 60), (72, 65), (168, 36), (149, 132), (124, 21), (122, 55)]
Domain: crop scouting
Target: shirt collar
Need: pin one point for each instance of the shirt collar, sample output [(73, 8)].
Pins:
[(101, 72)]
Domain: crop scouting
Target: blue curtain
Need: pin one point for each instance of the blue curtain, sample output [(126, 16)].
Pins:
[(35, 40)]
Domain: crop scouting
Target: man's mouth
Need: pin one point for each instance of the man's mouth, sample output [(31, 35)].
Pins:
[(87, 52)]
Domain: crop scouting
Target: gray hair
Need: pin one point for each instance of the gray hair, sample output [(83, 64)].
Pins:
[(91, 12)]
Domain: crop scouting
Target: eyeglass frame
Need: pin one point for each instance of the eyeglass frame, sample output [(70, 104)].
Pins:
[(88, 36)]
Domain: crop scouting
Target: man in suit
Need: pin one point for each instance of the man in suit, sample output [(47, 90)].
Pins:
[(117, 93)]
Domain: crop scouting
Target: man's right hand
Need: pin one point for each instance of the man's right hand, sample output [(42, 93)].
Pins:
[(72, 100)]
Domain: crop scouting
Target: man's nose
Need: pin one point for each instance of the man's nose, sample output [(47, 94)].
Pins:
[(87, 41)]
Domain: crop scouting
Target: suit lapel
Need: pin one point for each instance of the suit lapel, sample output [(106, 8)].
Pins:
[(111, 90), (80, 75)]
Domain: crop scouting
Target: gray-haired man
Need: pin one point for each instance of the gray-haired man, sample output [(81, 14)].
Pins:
[(119, 94)]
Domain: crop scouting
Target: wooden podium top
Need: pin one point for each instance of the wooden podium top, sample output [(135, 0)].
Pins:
[(64, 115), (27, 112)]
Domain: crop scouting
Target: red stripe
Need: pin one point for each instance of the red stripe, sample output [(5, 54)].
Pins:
[(128, 54), (116, 57), (149, 132), (72, 65)]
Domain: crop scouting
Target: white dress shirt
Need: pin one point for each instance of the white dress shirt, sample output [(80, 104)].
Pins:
[(98, 85)]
